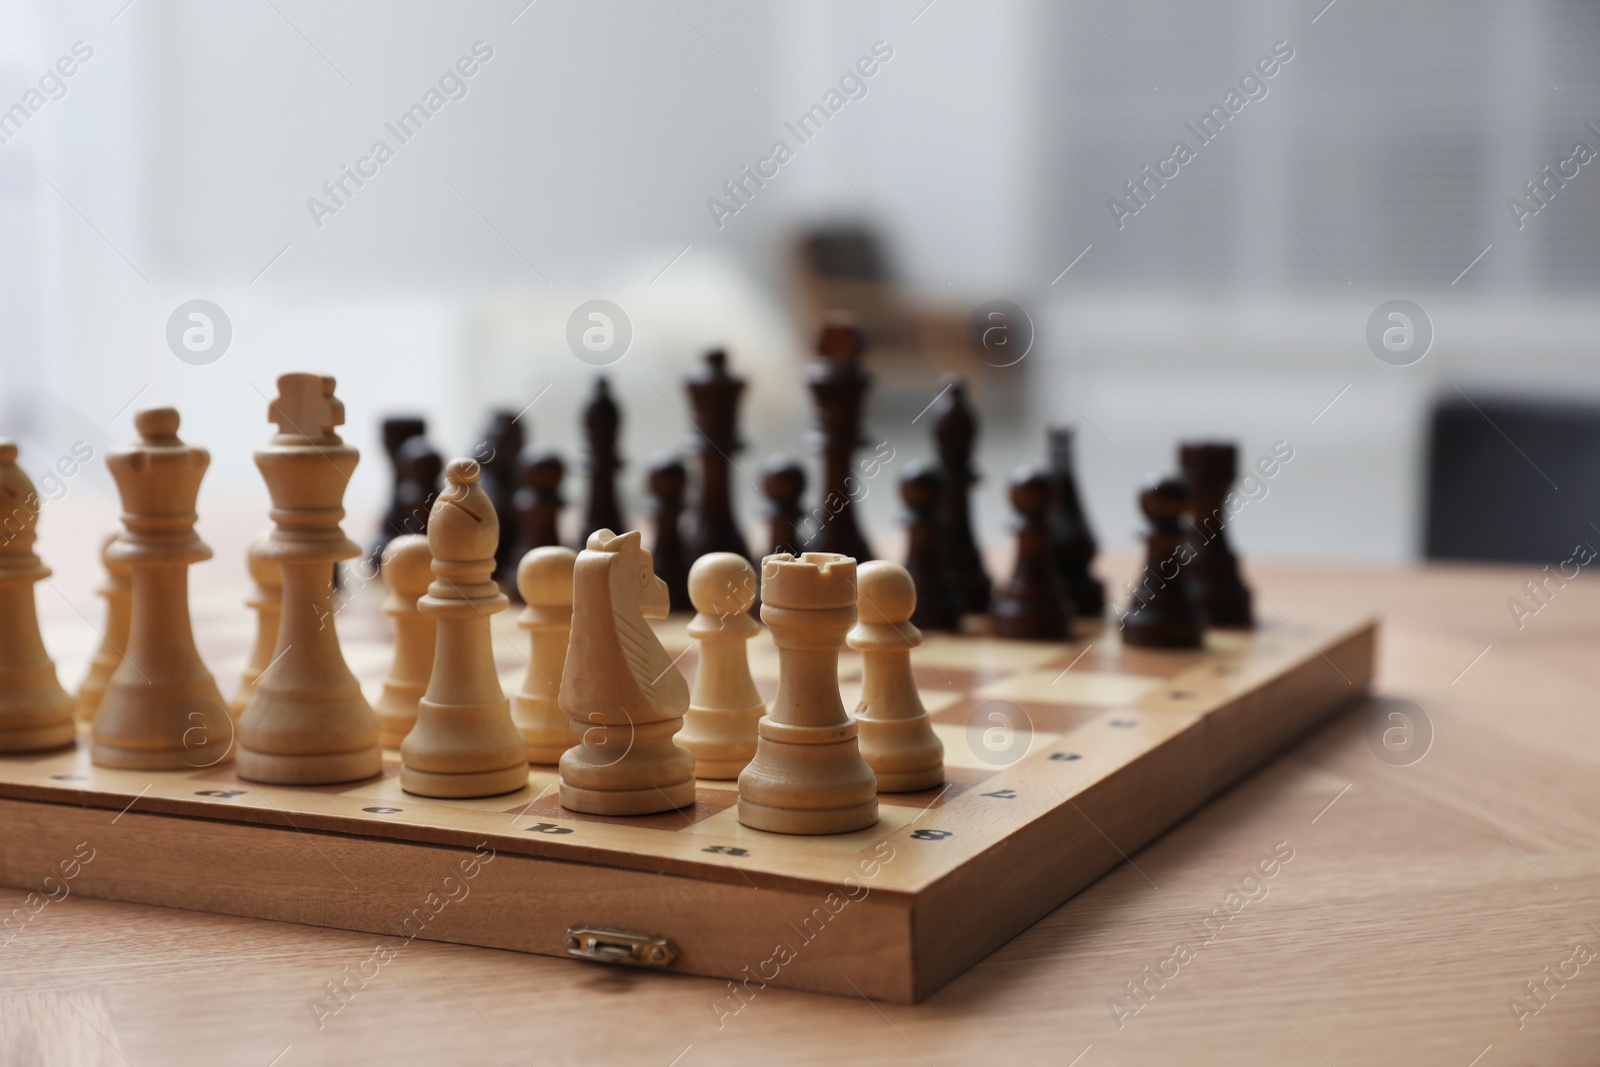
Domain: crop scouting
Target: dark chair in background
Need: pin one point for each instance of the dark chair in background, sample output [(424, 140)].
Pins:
[(1515, 481)]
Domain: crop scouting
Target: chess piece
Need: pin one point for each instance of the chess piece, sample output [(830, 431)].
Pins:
[(35, 712), (396, 432), (620, 688), (1162, 613), (464, 743), (537, 503), (602, 421), (714, 396), (896, 735), (955, 428), (162, 709), (407, 570), (938, 592), (1213, 571), (497, 454), (421, 467), (808, 776), (839, 385), (784, 483), (668, 483), (118, 591), (308, 723), (1034, 605), (544, 578), (266, 600), (1075, 544), (724, 706)]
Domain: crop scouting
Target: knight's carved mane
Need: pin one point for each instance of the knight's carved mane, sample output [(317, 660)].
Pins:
[(623, 661)]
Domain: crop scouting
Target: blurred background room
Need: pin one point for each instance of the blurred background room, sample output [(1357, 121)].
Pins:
[(938, 155)]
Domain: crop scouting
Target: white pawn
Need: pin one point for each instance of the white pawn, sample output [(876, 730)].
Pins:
[(464, 743), (897, 738), (407, 570), (267, 600), (725, 707), (118, 591), (544, 578)]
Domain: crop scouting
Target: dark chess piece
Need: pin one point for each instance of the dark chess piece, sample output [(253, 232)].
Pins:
[(714, 395), (497, 454), (955, 427), (927, 558), (1162, 613), (602, 421), (1034, 605), (783, 480), (669, 481), (1213, 571), (536, 505), (396, 432), (839, 385), (421, 469), (1075, 544)]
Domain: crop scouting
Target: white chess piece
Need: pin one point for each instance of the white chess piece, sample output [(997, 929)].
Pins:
[(897, 738), (464, 743), (544, 578), (407, 570), (724, 706), (808, 776)]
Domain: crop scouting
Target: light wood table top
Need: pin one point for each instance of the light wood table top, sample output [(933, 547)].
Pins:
[(1419, 901)]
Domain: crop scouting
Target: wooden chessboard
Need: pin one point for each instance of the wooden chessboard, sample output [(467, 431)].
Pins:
[(1061, 760)]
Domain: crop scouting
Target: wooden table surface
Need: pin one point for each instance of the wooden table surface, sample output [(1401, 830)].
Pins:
[(1419, 902)]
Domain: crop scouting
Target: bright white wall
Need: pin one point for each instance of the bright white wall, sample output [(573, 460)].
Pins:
[(578, 165)]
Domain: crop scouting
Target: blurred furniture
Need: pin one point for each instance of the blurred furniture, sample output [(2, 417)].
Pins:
[(1512, 480), (844, 267)]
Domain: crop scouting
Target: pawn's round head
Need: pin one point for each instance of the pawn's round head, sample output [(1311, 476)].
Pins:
[(1164, 502), (267, 573), (8, 452), (885, 593), (408, 565), (544, 577), (920, 487), (722, 584), (157, 424), (668, 479), (1030, 492), (783, 480)]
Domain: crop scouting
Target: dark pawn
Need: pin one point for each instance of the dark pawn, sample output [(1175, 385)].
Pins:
[(1162, 613), (1075, 544), (668, 483), (497, 455), (396, 432), (714, 395), (784, 483), (602, 421), (938, 597), (839, 385), (955, 428), (535, 506), (1213, 572), (1035, 605), (420, 469)]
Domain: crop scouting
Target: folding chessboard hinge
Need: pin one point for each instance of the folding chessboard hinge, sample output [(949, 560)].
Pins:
[(620, 946)]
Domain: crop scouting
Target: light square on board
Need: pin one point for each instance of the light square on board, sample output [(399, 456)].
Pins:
[(1098, 688)]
